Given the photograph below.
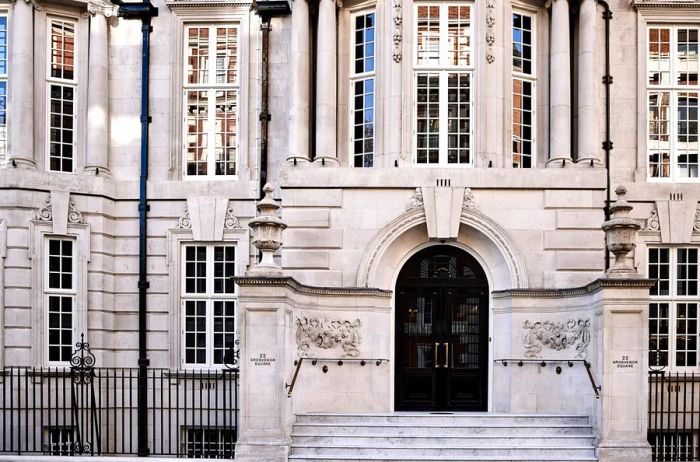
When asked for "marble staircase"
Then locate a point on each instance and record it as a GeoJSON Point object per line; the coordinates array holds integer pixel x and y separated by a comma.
{"type": "Point", "coordinates": [472, 437]}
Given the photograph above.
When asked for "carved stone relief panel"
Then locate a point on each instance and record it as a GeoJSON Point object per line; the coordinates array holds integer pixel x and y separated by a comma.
{"type": "Point", "coordinates": [572, 334]}
{"type": "Point", "coordinates": [316, 336]}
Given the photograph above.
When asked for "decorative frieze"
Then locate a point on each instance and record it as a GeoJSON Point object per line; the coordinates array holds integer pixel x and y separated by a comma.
{"type": "Point", "coordinates": [557, 336]}
{"type": "Point", "coordinates": [74, 215]}
{"type": "Point", "coordinates": [652, 223]}
{"type": "Point", "coordinates": [398, 34]}
{"type": "Point", "coordinates": [230, 221]}
{"type": "Point", "coordinates": [184, 221]}
{"type": "Point", "coordinates": [323, 334]}
{"type": "Point", "coordinates": [45, 213]}
{"type": "Point", "coordinates": [469, 202]}
{"type": "Point", "coordinates": [416, 201]}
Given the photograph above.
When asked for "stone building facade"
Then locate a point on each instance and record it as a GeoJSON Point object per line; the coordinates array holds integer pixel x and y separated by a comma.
{"type": "Point", "coordinates": [408, 143]}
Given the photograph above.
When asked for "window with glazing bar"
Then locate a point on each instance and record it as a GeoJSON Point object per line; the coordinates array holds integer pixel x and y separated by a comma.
{"type": "Point", "coordinates": [3, 88]}
{"type": "Point", "coordinates": [443, 70]}
{"type": "Point", "coordinates": [673, 311]}
{"type": "Point", "coordinates": [211, 100]}
{"type": "Point", "coordinates": [208, 304]}
{"type": "Point", "coordinates": [672, 99]}
{"type": "Point", "coordinates": [60, 292]}
{"type": "Point", "coordinates": [523, 91]}
{"type": "Point", "coordinates": [363, 93]}
{"type": "Point", "coordinates": [62, 95]}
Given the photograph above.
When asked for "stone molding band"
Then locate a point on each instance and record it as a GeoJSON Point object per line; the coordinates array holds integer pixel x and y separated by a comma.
{"type": "Point", "coordinates": [590, 288]}
{"type": "Point", "coordinates": [300, 288]}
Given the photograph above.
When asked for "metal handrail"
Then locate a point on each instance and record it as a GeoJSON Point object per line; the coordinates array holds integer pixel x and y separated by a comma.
{"type": "Point", "coordinates": [339, 361]}
{"type": "Point", "coordinates": [570, 362]}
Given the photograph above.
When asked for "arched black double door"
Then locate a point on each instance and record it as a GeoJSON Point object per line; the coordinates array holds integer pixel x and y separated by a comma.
{"type": "Point", "coordinates": [441, 332]}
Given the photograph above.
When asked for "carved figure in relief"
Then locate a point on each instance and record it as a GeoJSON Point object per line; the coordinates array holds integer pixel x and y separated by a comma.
{"type": "Point", "coordinates": [416, 201]}
{"type": "Point", "coordinates": [325, 335]}
{"type": "Point", "coordinates": [557, 336]}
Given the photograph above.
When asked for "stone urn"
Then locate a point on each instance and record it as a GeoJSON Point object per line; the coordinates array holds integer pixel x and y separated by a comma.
{"type": "Point", "coordinates": [621, 233]}
{"type": "Point", "coordinates": [267, 230]}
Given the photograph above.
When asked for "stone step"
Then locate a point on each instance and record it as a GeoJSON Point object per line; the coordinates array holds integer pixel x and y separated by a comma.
{"type": "Point", "coordinates": [410, 429]}
{"type": "Point", "coordinates": [469, 437]}
{"type": "Point", "coordinates": [428, 451]}
{"type": "Point", "coordinates": [355, 458]}
{"type": "Point", "coordinates": [411, 441]}
{"type": "Point", "coordinates": [476, 419]}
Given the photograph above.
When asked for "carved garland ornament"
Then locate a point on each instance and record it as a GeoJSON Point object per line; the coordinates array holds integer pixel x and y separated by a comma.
{"type": "Point", "coordinates": [557, 336]}
{"type": "Point", "coordinates": [327, 335]}
{"type": "Point", "coordinates": [490, 35]}
{"type": "Point", "coordinates": [398, 35]}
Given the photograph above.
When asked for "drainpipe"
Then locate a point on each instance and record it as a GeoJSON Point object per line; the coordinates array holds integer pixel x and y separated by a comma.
{"type": "Point", "coordinates": [266, 9]}
{"type": "Point", "coordinates": [607, 144]}
{"type": "Point", "coordinates": [264, 104]}
{"type": "Point", "coordinates": [143, 11]}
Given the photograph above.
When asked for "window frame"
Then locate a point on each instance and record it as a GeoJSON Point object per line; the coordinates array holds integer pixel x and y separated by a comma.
{"type": "Point", "coordinates": [48, 292]}
{"type": "Point", "coordinates": [674, 90]}
{"type": "Point", "coordinates": [209, 297]}
{"type": "Point", "coordinates": [532, 78]}
{"type": "Point", "coordinates": [443, 69]}
{"type": "Point", "coordinates": [72, 83]}
{"type": "Point", "coordinates": [364, 76]}
{"type": "Point", "coordinates": [237, 87]}
{"type": "Point", "coordinates": [673, 299]}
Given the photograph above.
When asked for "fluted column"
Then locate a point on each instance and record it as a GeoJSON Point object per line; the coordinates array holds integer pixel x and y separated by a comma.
{"type": "Point", "coordinates": [98, 84]}
{"type": "Point", "coordinates": [588, 131]}
{"type": "Point", "coordinates": [299, 83]}
{"type": "Point", "coordinates": [326, 103]}
{"type": "Point", "coordinates": [560, 86]}
{"type": "Point", "coordinates": [21, 85]}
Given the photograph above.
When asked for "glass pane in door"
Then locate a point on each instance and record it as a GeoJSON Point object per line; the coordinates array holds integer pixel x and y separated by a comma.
{"type": "Point", "coordinates": [419, 347]}
{"type": "Point", "coordinates": [464, 333]}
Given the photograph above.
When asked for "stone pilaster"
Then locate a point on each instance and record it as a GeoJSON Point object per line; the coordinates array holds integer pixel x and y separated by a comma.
{"type": "Point", "coordinates": [21, 86]}
{"type": "Point", "coordinates": [560, 86]}
{"type": "Point", "coordinates": [326, 78]}
{"type": "Point", "coordinates": [588, 140]}
{"type": "Point", "coordinates": [97, 159]}
{"type": "Point", "coordinates": [299, 83]}
{"type": "Point", "coordinates": [623, 362]}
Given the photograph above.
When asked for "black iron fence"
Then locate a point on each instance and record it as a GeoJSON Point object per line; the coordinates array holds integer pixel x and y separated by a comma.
{"type": "Point", "coordinates": [674, 416]}
{"type": "Point", "coordinates": [85, 410]}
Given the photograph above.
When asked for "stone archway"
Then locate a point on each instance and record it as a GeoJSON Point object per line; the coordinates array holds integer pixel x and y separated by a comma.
{"type": "Point", "coordinates": [496, 250]}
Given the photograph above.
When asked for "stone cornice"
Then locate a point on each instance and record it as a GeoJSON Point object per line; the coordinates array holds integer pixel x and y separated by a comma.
{"type": "Point", "coordinates": [595, 286]}
{"type": "Point", "coordinates": [175, 4]}
{"type": "Point", "coordinates": [252, 281]}
{"type": "Point", "coordinates": [653, 4]}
